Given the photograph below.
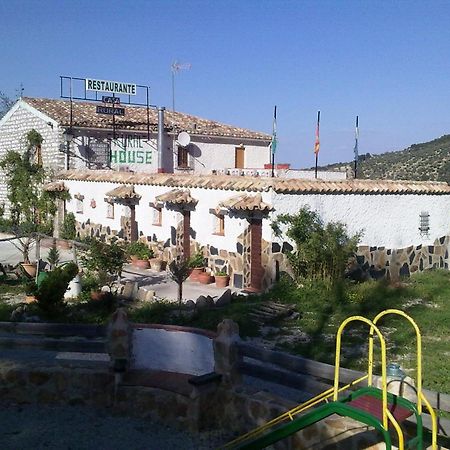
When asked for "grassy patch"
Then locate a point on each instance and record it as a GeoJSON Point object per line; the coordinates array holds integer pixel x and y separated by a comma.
{"type": "Point", "coordinates": [424, 297]}
{"type": "Point", "coordinates": [167, 313]}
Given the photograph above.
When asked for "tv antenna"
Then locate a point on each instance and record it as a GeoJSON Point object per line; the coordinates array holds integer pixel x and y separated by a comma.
{"type": "Point", "coordinates": [175, 68]}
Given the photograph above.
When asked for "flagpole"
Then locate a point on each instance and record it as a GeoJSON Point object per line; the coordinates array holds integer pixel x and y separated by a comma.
{"type": "Point", "coordinates": [356, 145]}
{"type": "Point", "coordinates": [274, 139]}
{"type": "Point", "coordinates": [317, 144]}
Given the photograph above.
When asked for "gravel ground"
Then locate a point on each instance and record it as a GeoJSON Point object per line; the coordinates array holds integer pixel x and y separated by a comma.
{"type": "Point", "coordinates": [79, 428]}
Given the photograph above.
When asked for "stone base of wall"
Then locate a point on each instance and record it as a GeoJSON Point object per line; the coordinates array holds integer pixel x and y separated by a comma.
{"type": "Point", "coordinates": [393, 264]}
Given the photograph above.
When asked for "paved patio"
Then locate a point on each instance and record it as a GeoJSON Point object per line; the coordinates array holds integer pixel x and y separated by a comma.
{"type": "Point", "coordinates": [159, 282]}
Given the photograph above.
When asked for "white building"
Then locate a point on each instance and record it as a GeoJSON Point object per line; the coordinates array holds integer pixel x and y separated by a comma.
{"type": "Point", "coordinates": [405, 224]}
{"type": "Point", "coordinates": [212, 193]}
{"type": "Point", "coordinates": [130, 142]}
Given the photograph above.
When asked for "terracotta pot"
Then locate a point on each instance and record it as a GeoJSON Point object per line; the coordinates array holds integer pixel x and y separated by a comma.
{"type": "Point", "coordinates": [141, 263]}
{"type": "Point", "coordinates": [205, 278]}
{"type": "Point", "coordinates": [196, 271]}
{"type": "Point", "coordinates": [222, 280]}
{"type": "Point", "coordinates": [29, 268]}
{"type": "Point", "coordinates": [97, 296]}
{"type": "Point", "coordinates": [156, 264]}
{"type": "Point", "coordinates": [133, 259]}
{"type": "Point", "coordinates": [30, 298]}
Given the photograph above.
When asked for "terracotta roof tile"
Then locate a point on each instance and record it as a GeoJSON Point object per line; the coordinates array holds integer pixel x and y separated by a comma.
{"type": "Point", "coordinates": [178, 197]}
{"type": "Point", "coordinates": [245, 202]}
{"type": "Point", "coordinates": [55, 186]}
{"type": "Point", "coordinates": [260, 184]}
{"type": "Point", "coordinates": [135, 119]}
{"type": "Point", "coordinates": [123, 192]}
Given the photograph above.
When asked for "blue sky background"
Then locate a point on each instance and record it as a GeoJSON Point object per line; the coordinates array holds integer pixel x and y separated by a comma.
{"type": "Point", "coordinates": [386, 61]}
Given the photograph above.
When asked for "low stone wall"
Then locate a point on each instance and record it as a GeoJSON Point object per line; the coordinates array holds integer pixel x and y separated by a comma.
{"type": "Point", "coordinates": [56, 385]}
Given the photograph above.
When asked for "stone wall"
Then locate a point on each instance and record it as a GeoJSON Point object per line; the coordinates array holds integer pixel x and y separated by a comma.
{"type": "Point", "coordinates": [382, 262]}
{"type": "Point", "coordinates": [13, 131]}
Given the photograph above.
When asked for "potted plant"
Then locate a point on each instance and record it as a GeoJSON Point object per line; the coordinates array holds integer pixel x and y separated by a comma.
{"type": "Point", "coordinates": [197, 265]}
{"type": "Point", "coordinates": [222, 279]}
{"type": "Point", "coordinates": [140, 253]}
{"type": "Point", "coordinates": [103, 264]}
{"type": "Point", "coordinates": [205, 277]}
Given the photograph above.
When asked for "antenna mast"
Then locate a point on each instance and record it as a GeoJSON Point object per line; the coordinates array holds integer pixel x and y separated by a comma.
{"type": "Point", "coordinates": [175, 68]}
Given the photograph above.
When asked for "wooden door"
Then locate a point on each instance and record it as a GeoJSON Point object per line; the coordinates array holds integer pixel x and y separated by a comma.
{"type": "Point", "coordinates": [239, 158]}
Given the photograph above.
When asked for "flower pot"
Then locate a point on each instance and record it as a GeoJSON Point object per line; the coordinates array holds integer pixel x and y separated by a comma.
{"type": "Point", "coordinates": [141, 263]}
{"type": "Point", "coordinates": [222, 280]}
{"type": "Point", "coordinates": [29, 268]}
{"type": "Point", "coordinates": [156, 264]}
{"type": "Point", "coordinates": [205, 278]}
{"type": "Point", "coordinates": [97, 296]}
{"type": "Point", "coordinates": [196, 271]}
{"type": "Point", "coordinates": [30, 298]}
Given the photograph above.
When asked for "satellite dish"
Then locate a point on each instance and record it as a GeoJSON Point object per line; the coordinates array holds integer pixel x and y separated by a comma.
{"type": "Point", "coordinates": [183, 139]}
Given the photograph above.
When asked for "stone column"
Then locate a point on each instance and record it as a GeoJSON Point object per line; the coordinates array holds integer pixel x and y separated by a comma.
{"type": "Point", "coordinates": [119, 340]}
{"type": "Point", "coordinates": [133, 224]}
{"type": "Point", "coordinates": [256, 270]}
{"type": "Point", "coordinates": [226, 352]}
{"type": "Point", "coordinates": [186, 234]}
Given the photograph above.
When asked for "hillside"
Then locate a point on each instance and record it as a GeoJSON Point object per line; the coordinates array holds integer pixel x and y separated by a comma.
{"type": "Point", "coordinates": [425, 161]}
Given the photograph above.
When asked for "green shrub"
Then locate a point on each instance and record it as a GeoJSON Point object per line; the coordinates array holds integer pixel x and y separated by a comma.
{"type": "Point", "coordinates": [104, 261]}
{"type": "Point", "coordinates": [68, 227]}
{"type": "Point", "coordinates": [197, 260]}
{"type": "Point", "coordinates": [322, 251]}
{"type": "Point", "coordinates": [140, 250]}
{"type": "Point", "coordinates": [50, 294]}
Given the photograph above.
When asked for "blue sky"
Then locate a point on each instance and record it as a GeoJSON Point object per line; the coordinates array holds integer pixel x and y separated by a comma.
{"type": "Point", "coordinates": [386, 61]}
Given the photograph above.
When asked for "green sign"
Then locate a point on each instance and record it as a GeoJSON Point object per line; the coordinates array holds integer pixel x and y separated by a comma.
{"type": "Point", "coordinates": [131, 157]}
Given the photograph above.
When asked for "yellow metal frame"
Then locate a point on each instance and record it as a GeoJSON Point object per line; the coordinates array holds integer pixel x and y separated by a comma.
{"type": "Point", "coordinates": [387, 416]}
{"type": "Point", "coordinates": [335, 390]}
{"type": "Point", "coordinates": [420, 396]}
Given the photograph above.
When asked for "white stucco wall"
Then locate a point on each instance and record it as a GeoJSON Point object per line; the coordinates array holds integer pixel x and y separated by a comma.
{"type": "Point", "coordinates": [202, 221]}
{"type": "Point", "coordinates": [208, 156]}
{"type": "Point", "coordinates": [387, 220]}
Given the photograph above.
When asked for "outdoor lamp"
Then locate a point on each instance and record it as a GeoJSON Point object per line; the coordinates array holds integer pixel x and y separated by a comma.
{"type": "Point", "coordinates": [395, 372]}
{"type": "Point", "coordinates": [68, 137]}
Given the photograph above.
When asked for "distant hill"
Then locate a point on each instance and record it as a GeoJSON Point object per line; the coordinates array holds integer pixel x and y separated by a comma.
{"type": "Point", "coordinates": [425, 161]}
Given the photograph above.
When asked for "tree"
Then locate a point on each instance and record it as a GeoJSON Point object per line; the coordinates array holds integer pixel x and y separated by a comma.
{"type": "Point", "coordinates": [321, 250]}
{"type": "Point", "coordinates": [31, 208]}
{"type": "Point", "coordinates": [105, 261]}
{"type": "Point", "coordinates": [179, 270]}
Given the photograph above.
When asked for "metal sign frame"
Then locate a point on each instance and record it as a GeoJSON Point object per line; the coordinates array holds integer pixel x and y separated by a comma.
{"type": "Point", "coordinates": [95, 98]}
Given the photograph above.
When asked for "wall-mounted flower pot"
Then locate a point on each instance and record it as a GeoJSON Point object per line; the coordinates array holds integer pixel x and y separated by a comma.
{"type": "Point", "coordinates": [222, 280]}
{"type": "Point", "coordinates": [196, 271]}
{"type": "Point", "coordinates": [141, 263]}
{"type": "Point", "coordinates": [205, 278]}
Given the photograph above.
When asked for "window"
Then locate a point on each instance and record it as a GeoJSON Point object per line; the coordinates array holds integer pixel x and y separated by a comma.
{"type": "Point", "coordinates": [110, 210]}
{"type": "Point", "coordinates": [424, 226]}
{"type": "Point", "coordinates": [79, 206]}
{"type": "Point", "coordinates": [183, 158]}
{"type": "Point", "coordinates": [219, 224]}
{"type": "Point", "coordinates": [157, 216]}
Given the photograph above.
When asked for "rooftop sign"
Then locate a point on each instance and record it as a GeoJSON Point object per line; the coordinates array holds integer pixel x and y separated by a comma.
{"type": "Point", "coordinates": [115, 87]}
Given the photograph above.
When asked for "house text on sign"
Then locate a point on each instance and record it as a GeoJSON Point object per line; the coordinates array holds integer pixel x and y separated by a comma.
{"type": "Point", "coordinates": [115, 87]}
